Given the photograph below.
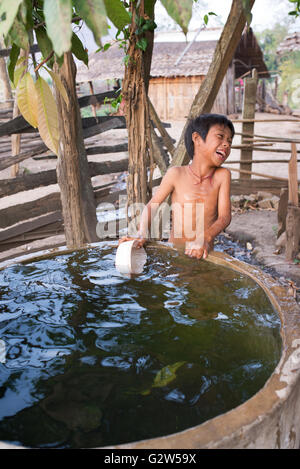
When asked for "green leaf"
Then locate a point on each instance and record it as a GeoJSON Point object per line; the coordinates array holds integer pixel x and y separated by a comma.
{"type": "Point", "coordinates": [8, 12]}
{"type": "Point", "coordinates": [13, 57]}
{"type": "Point", "coordinates": [166, 375]}
{"type": "Point", "coordinates": [93, 14]}
{"type": "Point", "coordinates": [18, 34]}
{"type": "Point", "coordinates": [78, 49]}
{"type": "Point", "coordinates": [247, 11]}
{"type": "Point", "coordinates": [180, 11]}
{"type": "Point", "coordinates": [58, 15]}
{"type": "Point", "coordinates": [117, 13]}
{"type": "Point", "coordinates": [142, 44]}
{"type": "Point", "coordinates": [44, 43]}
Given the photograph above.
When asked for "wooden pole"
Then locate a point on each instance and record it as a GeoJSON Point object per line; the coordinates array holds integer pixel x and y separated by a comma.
{"type": "Point", "coordinates": [293, 210]}
{"type": "Point", "coordinates": [248, 113]}
{"type": "Point", "coordinates": [293, 177]}
{"type": "Point", "coordinates": [210, 86]}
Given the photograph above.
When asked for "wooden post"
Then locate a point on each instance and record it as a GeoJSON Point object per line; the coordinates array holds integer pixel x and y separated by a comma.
{"type": "Point", "coordinates": [248, 113]}
{"type": "Point", "coordinates": [293, 177]}
{"type": "Point", "coordinates": [293, 211]}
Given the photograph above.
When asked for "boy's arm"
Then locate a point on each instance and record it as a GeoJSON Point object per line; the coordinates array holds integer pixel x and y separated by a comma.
{"type": "Point", "coordinates": [165, 188]}
{"type": "Point", "coordinates": [224, 209]}
{"type": "Point", "coordinates": [223, 220]}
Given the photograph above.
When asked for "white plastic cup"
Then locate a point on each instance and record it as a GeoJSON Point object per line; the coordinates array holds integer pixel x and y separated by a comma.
{"type": "Point", "coordinates": [129, 258]}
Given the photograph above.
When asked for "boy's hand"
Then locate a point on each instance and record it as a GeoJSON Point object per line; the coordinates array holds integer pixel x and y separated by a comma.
{"type": "Point", "coordinates": [194, 249]}
{"type": "Point", "coordinates": [139, 241]}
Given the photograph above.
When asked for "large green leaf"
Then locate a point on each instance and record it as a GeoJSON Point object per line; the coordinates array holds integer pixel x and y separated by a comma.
{"type": "Point", "coordinates": [11, 64]}
{"type": "Point", "coordinates": [58, 15]}
{"type": "Point", "coordinates": [78, 50]}
{"type": "Point", "coordinates": [117, 13]}
{"type": "Point", "coordinates": [44, 42]}
{"type": "Point", "coordinates": [94, 15]}
{"type": "Point", "coordinates": [180, 11]}
{"type": "Point", "coordinates": [8, 12]}
{"type": "Point", "coordinates": [18, 34]}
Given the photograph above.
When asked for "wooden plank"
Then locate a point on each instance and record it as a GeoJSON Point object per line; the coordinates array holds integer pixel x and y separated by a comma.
{"type": "Point", "coordinates": [251, 186]}
{"type": "Point", "coordinates": [293, 177]}
{"type": "Point", "coordinates": [50, 203]}
{"type": "Point", "coordinates": [268, 176]}
{"type": "Point", "coordinates": [20, 125]}
{"type": "Point", "coordinates": [27, 226]}
{"type": "Point", "coordinates": [292, 232]}
{"type": "Point", "coordinates": [45, 178]}
{"type": "Point", "coordinates": [249, 104]}
{"type": "Point", "coordinates": [260, 161]}
{"type": "Point", "coordinates": [263, 120]}
{"type": "Point", "coordinates": [107, 124]}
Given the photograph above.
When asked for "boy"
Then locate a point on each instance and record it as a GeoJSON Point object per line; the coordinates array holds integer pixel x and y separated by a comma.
{"type": "Point", "coordinates": [202, 183]}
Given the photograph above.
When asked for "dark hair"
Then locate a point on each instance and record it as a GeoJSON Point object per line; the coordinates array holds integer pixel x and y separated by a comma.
{"type": "Point", "coordinates": [201, 125]}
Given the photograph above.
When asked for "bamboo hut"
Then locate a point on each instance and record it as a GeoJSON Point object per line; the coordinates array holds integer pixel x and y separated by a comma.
{"type": "Point", "coordinates": [177, 73]}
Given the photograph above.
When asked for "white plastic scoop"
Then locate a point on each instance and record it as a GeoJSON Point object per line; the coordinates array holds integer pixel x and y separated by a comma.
{"type": "Point", "coordinates": [129, 258]}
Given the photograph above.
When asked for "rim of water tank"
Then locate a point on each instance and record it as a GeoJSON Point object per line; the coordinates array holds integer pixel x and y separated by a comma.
{"type": "Point", "coordinates": [228, 430]}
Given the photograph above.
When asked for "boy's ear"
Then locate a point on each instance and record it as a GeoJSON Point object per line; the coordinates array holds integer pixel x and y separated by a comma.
{"type": "Point", "coordinates": [196, 137]}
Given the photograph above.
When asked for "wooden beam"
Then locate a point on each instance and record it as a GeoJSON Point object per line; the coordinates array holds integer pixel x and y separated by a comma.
{"type": "Point", "coordinates": [249, 104]}
{"type": "Point", "coordinates": [251, 186]}
{"type": "Point", "coordinates": [292, 232]}
{"type": "Point", "coordinates": [45, 178]}
{"type": "Point", "coordinates": [210, 86]}
{"type": "Point", "coordinates": [245, 172]}
{"type": "Point", "coordinates": [293, 177]}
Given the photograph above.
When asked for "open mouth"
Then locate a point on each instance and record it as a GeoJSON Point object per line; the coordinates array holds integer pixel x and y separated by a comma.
{"type": "Point", "coordinates": [221, 154]}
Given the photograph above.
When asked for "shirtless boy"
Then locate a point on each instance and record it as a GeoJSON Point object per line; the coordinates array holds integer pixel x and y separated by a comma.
{"type": "Point", "coordinates": [203, 183]}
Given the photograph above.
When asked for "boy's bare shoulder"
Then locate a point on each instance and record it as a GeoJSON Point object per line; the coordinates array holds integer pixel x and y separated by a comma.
{"type": "Point", "coordinates": [223, 173]}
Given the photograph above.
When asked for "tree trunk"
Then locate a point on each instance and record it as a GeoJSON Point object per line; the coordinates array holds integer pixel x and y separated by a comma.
{"type": "Point", "coordinates": [78, 203]}
{"type": "Point", "coordinates": [210, 86]}
{"type": "Point", "coordinates": [134, 91]}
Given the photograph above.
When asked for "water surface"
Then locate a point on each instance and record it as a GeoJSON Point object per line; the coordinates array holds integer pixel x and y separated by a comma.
{"type": "Point", "coordinates": [95, 358]}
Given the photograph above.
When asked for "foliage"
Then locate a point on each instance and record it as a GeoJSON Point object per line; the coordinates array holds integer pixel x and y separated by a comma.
{"type": "Point", "coordinates": [269, 40]}
{"type": "Point", "coordinates": [289, 73]}
{"type": "Point", "coordinates": [286, 65]}
{"type": "Point", "coordinates": [50, 22]}
{"type": "Point", "coordinates": [296, 5]}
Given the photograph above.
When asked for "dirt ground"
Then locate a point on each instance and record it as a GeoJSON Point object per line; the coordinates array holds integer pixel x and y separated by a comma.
{"type": "Point", "coordinates": [255, 226]}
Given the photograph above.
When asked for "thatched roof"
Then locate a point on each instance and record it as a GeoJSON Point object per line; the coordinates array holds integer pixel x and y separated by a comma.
{"type": "Point", "coordinates": [110, 65]}
{"type": "Point", "coordinates": [195, 61]}
{"type": "Point", "coordinates": [290, 44]}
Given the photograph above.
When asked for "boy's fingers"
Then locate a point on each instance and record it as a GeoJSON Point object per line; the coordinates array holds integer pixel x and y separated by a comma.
{"type": "Point", "coordinates": [197, 253]}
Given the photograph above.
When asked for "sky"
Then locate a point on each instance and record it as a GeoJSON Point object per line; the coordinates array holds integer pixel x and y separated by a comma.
{"type": "Point", "coordinates": [266, 13]}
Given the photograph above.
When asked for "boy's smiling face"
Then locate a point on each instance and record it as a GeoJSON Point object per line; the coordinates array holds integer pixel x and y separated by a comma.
{"type": "Point", "coordinates": [217, 145]}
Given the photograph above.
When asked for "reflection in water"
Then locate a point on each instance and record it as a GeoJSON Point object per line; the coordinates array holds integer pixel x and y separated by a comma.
{"type": "Point", "coordinates": [94, 358]}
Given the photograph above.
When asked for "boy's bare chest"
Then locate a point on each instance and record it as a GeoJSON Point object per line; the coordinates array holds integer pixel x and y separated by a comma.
{"type": "Point", "coordinates": [188, 192]}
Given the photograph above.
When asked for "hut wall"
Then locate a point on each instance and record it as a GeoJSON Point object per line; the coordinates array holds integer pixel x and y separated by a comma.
{"type": "Point", "coordinates": [172, 97]}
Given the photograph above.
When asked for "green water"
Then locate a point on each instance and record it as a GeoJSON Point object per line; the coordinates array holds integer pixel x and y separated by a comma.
{"type": "Point", "coordinates": [94, 358]}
